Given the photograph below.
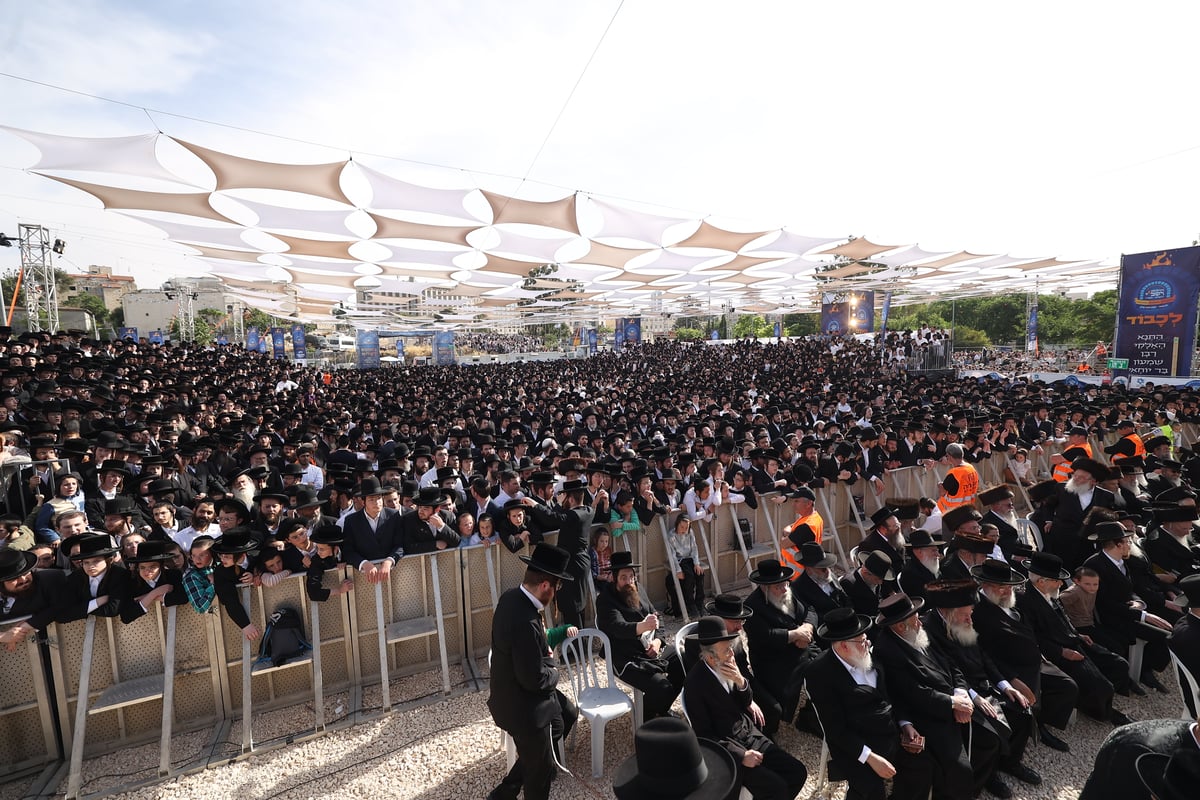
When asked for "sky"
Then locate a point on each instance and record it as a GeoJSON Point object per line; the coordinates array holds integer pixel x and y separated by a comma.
{"type": "Point", "coordinates": [1030, 129]}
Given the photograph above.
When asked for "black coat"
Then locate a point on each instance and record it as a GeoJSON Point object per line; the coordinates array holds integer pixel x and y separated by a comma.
{"type": "Point", "coordinates": [1010, 537]}
{"type": "Point", "coordinates": [722, 716]}
{"type": "Point", "coordinates": [44, 602]}
{"type": "Point", "coordinates": [619, 622]}
{"type": "Point", "coordinates": [115, 585]}
{"type": "Point", "coordinates": [875, 541]}
{"type": "Point", "coordinates": [1185, 644]}
{"type": "Point", "coordinates": [1114, 776]}
{"type": "Point", "coordinates": [813, 596]}
{"type": "Point", "coordinates": [922, 684]}
{"type": "Point", "coordinates": [1112, 601]}
{"type": "Point", "coordinates": [1168, 553]}
{"type": "Point", "coordinates": [863, 597]}
{"type": "Point", "coordinates": [523, 675]}
{"type": "Point", "coordinates": [773, 658]}
{"type": "Point", "coordinates": [1011, 642]}
{"type": "Point", "coordinates": [177, 596]}
{"type": "Point", "coordinates": [360, 543]}
{"type": "Point", "coordinates": [417, 537]}
{"type": "Point", "coordinates": [852, 715]}
{"type": "Point", "coordinates": [913, 578]}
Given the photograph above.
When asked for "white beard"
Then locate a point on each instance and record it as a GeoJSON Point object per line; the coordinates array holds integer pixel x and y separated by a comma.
{"type": "Point", "coordinates": [862, 661]}
{"type": "Point", "coordinates": [786, 604]}
{"type": "Point", "coordinates": [1007, 603]}
{"type": "Point", "coordinates": [933, 565]}
{"type": "Point", "coordinates": [1010, 518]}
{"type": "Point", "coordinates": [245, 496]}
{"type": "Point", "coordinates": [1052, 596]}
{"type": "Point", "coordinates": [963, 634]}
{"type": "Point", "coordinates": [1076, 488]}
{"type": "Point", "coordinates": [918, 639]}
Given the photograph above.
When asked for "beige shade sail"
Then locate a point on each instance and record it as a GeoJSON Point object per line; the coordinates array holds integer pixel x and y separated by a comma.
{"type": "Point", "coordinates": [194, 204]}
{"type": "Point", "coordinates": [859, 249]}
{"type": "Point", "coordinates": [558, 214]}
{"type": "Point", "coordinates": [719, 239]}
{"type": "Point", "coordinates": [235, 172]}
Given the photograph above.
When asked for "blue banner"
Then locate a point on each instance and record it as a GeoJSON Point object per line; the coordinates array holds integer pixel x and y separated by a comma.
{"type": "Point", "coordinates": [400, 349]}
{"type": "Point", "coordinates": [848, 314]}
{"type": "Point", "coordinates": [367, 343]}
{"type": "Point", "coordinates": [127, 333]}
{"type": "Point", "coordinates": [155, 337]}
{"type": "Point", "coordinates": [778, 330]}
{"type": "Point", "coordinates": [278, 342]}
{"type": "Point", "coordinates": [633, 330]}
{"type": "Point", "coordinates": [1031, 332]}
{"type": "Point", "coordinates": [262, 344]}
{"type": "Point", "coordinates": [252, 338]}
{"type": "Point", "coordinates": [1156, 311]}
{"type": "Point", "coordinates": [593, 341]}
{"type": "Point", "coordinates": [618, 333]}
{"type": "Point", "coordinates": [443, 347]}
{"type": "Point", "coordinates": [887, 310]}
{"type": "Point", "coordinates": [222, 340]}
{"type": "Point", "coordinates": [299, 346]}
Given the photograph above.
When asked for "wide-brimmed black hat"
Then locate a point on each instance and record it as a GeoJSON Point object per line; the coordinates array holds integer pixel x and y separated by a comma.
{"type": "Point", "coordinates": [1109, 532]}
{"type": "Point", "coordinates": [118, 506]}
{"type": "Point", "coordinates": [151, 550]}
{"type": "Point", "coordinates": [994, 570]}
{"type": "Point", "coordinates": [670, 763]}
{"type": "Point", "coordinates": [1170, 777]}
{"type": "Point", "coordinates": [543, 477]}
{"type": "Point", "coordinates": [1046, 565]}
{"type": "Point", "coordinates": [370, 487]}
{"type": "Point", "coordinates": [710, 630]}
{"type": "Point", "coordinates": [92, 545]}
{"type": "Point", "coordinates": [881, 516]}
{"type": "Point", "coordinates": [878, 563]}
{"type": "Point", "coordinates": [951, 594]}
{"type": "Point", "coordinates": [429, 496]}
{"type": "Point", "coordinates": [574, 485]}
{"type": "Point", "coordinates": [801, 535]}
{"type": "Point", "coordinates": [552, 560]}
{"type": "Point", "coordinates": [235, 542]}
{"type": "Point", "coordinates": [15, 563]}
{"type": "Point", "coordinates": [114, 465]}
{"type": "Point", "coordinates": [959, 516]}
{"type": "Point", "coordinates": [278, 497]}
{"type": "Point", "coordinates": [923, 538]}
{"type": "Point", "coordinates": [621, 559]}
{"type": "Point", "coordinates": [1174, 513]}
{"type": "Point", "coordinates": [769, 572]}
{"type": "Point", "coordinates": [994, 495]}
{"type": "Point", "coordinates": [897, 607]}
{"type": "Point", "coordinates": [1190, 586]}
{"type": "Point", "coordinates": [972, 543]}
{"type": "Point", "coordinates": [812, 555]}
{"type": "Point", "coordinates": [306, 497]}
{"type": "Point", "coordinates": [729, 606]}
{"type": "Point", "coordinates": [326, 534]}
{"type": "Point", "coordinates": [842, 624]}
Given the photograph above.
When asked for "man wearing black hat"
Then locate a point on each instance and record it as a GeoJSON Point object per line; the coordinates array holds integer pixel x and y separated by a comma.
{"type": "Point", "coordinates": [1174, 550]}
{"type": "Point", "coordinates": [816, 586]}
{"type": "Point", "coordinates": [1115, 775]}
{"type": "Point", "coordinates": [641, 655]}
{"type": "Point", "coordinates": [372, 534]}
{"type": "Point", "coordinates": [1098, 671]}
{"type": "Point", "coordinates": [25, 591]}
{"type": "Point", "coordinates": [885, 536]}
{"type": "Point", "coordinates": [1012, 643]}
{"type": "Point", "coordinates": [573, 519]}
{"type": "Point", "coordinates": [873, 578]}
{"type": "Point", "coordinates": [1001, 710]}
{"type": "Point", "coordinates": [781, 634]}
{"type": "Point", "coordinates": [671, 763]}
{"type": "Point", "coordinates": [1185, 638]}
{"type": "Point", "coordinates": [1001, 513]}
{"type": "Point", "coordinates": [524, 700]}
{"type": "Point", "coordinates": [425, 531]}
{"type": "Point", "coordinates": [923, 563]}
{"type": "Point", "coordinates": [719, 702]}
{"type": "Point", "coordinates": [930, 692]}
{"type": "Point", "coordinates": [98, 585]}
{"type": "Point", "coordinates": [1080, 494]}
{"type": "Point", "coordinates": [850, 693]}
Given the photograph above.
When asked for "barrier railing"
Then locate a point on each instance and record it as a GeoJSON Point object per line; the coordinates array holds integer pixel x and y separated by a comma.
{"type": "Point", "coordinates": [27, 736]}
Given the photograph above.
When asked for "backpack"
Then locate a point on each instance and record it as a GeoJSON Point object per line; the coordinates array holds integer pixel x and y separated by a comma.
{"type": "Point", "coordinates": [284, 637]}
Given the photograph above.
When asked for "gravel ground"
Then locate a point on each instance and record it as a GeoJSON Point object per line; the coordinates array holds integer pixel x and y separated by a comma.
{"type": "Point", "coordinates": [449, 749]}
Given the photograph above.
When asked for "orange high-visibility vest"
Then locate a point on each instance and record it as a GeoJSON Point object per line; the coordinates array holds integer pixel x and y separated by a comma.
{"type": "Point", "coordinates": [968, 486]}
{"type": "Point", "coordinates": [1062, 470]}
{"type": "Point", "coordinates": [790, 555]}
{"type": "Point", "coordinates": [1139, 449]}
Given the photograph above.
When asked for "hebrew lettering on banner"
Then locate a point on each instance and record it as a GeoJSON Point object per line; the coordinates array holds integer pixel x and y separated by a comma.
{"type": "Point", "coordinates": [1156, 312]}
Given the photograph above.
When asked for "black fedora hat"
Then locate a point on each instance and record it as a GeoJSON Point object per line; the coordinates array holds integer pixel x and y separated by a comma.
{"type": "Point", "coordinates": [1109, 532]}
{"type": "Point", "coordinates": [841, 624]}
{"type": "Point", "coordinates": [551, 560]}
{"type": "Point", "coordinates": [93, 545]}
{"type": "Point", "coordinates": [923, 538]}
{"type": "Point", "coordinates": [710, 630]}
{"type": "Point", "coordinates": [1046, 565]}
{"type": "Point", "coordinates": [114, 465]}
{"type": "Point", "coordinates": [118, 506]}
{"type": "Point", "coordinates": [812, 555]}
{"type": "Point", "coordinates": [428, 496]}
{"type": "Point", "coordinates": [622, 559]}
{"type": "Point", "coordinates": [306, 497]}
{"type": "Point", "coordinates": [878, 563]}
{"type": "Point", "coordinates": [730, 606]}
{"type": "Point", "coordinates": [235, 542]}
{"type": "Point", "coordinates": [15, 563]}
{"type": "Point", "coordinates": [951, 594]}
{"type": "Point", "coordinates": [882, 515]}
{"type": "Point", "coordinates": [1190, 586]}
{"type": "Point", "coordinates": [574, 485]}
{"type": "Point", "coordinates": [278, 497]}
{"type": "Point", "coordinates": [897, 607]}
{"type": "Point", "coordinates": [1174, 513]}
{"type": "Point", "coordinates": [370, 487]}
{"type": "Point", "coordinates": [670, 763]}
{"type": "Point", "coordinates": [1170, 777]}
{"type": "Point", "coordinates": [994, 570]}
{"type": "Point", "coordinates": [769, 572]}
{"type": "Point", "coordinates": [543, 477]}
{"type": "Point", "coordinates": [326, 534]}
{"type": "Point", "coordinates": [151, 550]}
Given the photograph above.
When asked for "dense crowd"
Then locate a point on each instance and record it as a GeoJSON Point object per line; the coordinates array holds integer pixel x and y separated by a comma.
{"type": "Point", "coordinates": [137, 474]}
{"type": "Point", "coordinates": [497, 343]}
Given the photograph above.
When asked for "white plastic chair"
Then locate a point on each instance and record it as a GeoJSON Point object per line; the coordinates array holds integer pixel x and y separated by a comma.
{"type": "Point", "coordinates": [680, 636]}
{"type": "Point", "coordinates": [1187, 685]}
{"type": "Point", "coordinates": [599, 701]}
{"type": "Point", "coordinates": [822, 787]}
{"type": "Point", "coordinates": [1029, 530]}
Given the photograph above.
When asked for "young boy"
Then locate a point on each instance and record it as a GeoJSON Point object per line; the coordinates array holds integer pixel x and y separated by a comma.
{"type": "Point", "coordinates": [327, 539]}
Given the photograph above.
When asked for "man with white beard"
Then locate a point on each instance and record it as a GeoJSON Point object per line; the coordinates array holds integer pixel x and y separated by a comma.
{"type": "Point", "coordinates": [782, 636]}
{"type": "Point", "coordinates": [1010, 639]}
{"type": "Point", "coordinates": [816, 585]}
{"type": "Point", "coordinates": [929, 692]}
{"type": "Point", "coordinates": [1078, 496]}
{"type": "Point", "coordinates": [1001, 707]}
{"type": "Point", "coordinates": [924, 563]}
{"type": "Point", "coordinates": [1002, 514]}
{"type": "Point", "coordinates": [1174, 550]}
{"type": "Point", "coordinates": [1099, 672]}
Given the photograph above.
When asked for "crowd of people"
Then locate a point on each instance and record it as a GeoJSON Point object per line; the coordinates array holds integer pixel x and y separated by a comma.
{"type": "Point", "coordinates": [497, 343]}
{"type": "Point", "coordinates": [137, 474]}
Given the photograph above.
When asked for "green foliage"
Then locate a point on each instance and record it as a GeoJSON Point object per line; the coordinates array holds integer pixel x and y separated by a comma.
{"type": "Point", "coordinates": [801, 324]}
{"type": "Point", "coordinates": [752, 325]}
{"type": "Point", "coordinates": [967, 338]}
{"type": "Point", "coordinates": [689, 334]}
{"type": "Point", "coordinates": [94, 306]}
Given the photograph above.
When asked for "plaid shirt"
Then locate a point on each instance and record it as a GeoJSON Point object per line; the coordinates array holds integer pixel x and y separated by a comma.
{"type": "Point", "coordinates": [198, 585]}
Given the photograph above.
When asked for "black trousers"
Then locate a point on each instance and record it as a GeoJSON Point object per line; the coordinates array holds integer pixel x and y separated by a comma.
{"type": "Point", "coordinates": [1057, 696]}
{"type": "Point", "coordinates": [660, 680]}
{"type": "Point", "coordinates": [693, 591]}
{"type": "Point", "coordinates": [953, 776]}
{"type": "Point", "coordinates": [535, 768]}
{"type": "Point", "coordinates": [914, 776]}
{"type": "Point", "coordinates": [1096, 689]}
{"type": "Point", "coordinates": [780, 776]}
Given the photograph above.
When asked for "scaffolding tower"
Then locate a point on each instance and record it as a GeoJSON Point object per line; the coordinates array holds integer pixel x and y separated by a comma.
{"type": "Point", "coordinates": [41, 289]}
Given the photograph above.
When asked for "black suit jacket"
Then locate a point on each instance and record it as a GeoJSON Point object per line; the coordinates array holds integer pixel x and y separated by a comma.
{"type": "Point", "coordinates": [115, 585]}
{"type": "Point", "coordinates": [807, 590]}
{"type": "Point", "coordinates": [771, 655]}
{"type": "Point", "coordinates": [913, 578]}
{"type": "Point", "coordinates": [177, 596]}
{"type": "Point", "coordinates": [1063, 537]}
{"type": "Point", "coordinates": [852, 715]}
{"type": "Point", "coordinates": [1114, 776]}
{"type": "Point", "coordinates": [977, 668]}
{"type": "Point", "coordinates": [1112, 601]}
{"type": "Point", "coordinates": [417, 537]}
{"type": "Point", "coordinates": [523, 677]}
{"type": "Point", "coordinates": [360, 543]}
{"type": "Point", "coordinates": [1166, 552]}
{"type": "Point", "coordinates": [921, 684]}
{"type": "Point", "coordinates": [619, 622]}
{"type": "Point", "coordinates": [874, 541]}
{"type": "Point", "coordinates": [1010, 537]}
{"type": "Point", "coordinates": [1011, 642]}
{"type": "Point", "coordinates": [862, 596]}
{"type": "Point", "coordinates": [45, 602]}
{"type": "Point", "coordinates": [720, 715]}
{"type": "Point", "coordinates": [1051, 626]}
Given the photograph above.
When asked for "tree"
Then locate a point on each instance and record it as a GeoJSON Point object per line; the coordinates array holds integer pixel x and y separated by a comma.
{"type": "Point", "coordinates": [94, 306]}
{"type": "Point", "coordinates": [752, 325]}
{"type": "Point", "coordinates": [801, 324]}
{"type": "Point", "coordinates": [689, 334]}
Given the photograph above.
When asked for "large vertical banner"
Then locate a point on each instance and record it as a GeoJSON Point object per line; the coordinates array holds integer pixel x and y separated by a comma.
{"type": "Point", "coordinates": [367, 346]}
{"type": "Point", "coordinates": [155, 337]}
{"type": "Point", "coordinates": [278, 342]}
{"type": "Point", "coordinates": [887, 309]}
{"type": "Point", "coordinates": [1031, 332]}
{"type": "Point", "coordinates": [618, 333]}
{"type": "Point", "coordinates": [299, 346]}
{"type": "Point", "coordinates": [443, 347]}
{"type": "Point", "coordinates": [1156, 311]}
{"type": "Point", "coordinates": [252, 338]}
{"type": "Point", "coordinates": [633, 330]}
{"type": "Point", "coordinates": [593, 341]}
{"type": "Point", "coordinates": [835, 316]}
{"type": "Point", "coordinates": [862, 312]}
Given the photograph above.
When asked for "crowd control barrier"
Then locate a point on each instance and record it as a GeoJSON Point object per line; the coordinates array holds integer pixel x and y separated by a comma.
{"type": "Point", "coordinates": [27, 735]}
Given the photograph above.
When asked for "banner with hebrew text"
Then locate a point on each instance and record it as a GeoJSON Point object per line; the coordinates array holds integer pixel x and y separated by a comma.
{"type": "Point", "coordinates": [1156, 311]}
